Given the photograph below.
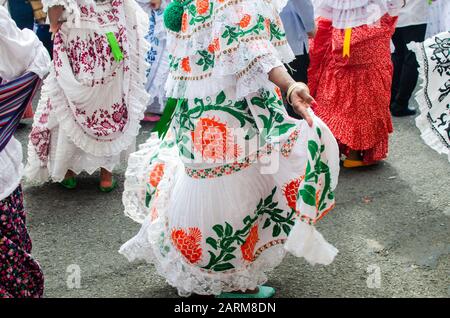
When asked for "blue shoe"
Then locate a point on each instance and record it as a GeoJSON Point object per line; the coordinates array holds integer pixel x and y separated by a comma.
{"type": "Point", "coordinates": [263, 292]}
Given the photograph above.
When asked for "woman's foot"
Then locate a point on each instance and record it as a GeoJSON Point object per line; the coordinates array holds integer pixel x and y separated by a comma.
{"type": "Point", "coordinates": [260, 292]}
{"type": "Point", "coordinates": [69, 181]}
{"type": "Point", "coordinates": [107, 182]}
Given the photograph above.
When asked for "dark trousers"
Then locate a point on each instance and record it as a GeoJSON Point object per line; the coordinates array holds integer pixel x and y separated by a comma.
{"type": "Point", "coordinates": [43, 33]}
{"type": "Point", "coordinates": [299, 74]}
{"type": "Point", "coordinates": [22, 13]}
{"type": "Point", "coordinates": [405, 64]}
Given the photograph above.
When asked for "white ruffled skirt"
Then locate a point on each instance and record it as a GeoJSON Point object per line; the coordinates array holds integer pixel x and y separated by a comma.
{"type": "Point", "coordinates": [211, 230]}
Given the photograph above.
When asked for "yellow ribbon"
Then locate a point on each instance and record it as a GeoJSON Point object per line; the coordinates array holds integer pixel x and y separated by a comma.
{"type": "Point", "coordinates": [347, 39]}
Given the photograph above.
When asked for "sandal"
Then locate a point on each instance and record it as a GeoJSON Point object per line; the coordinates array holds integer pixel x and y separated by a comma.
{"type": "Point", "coordinates": [69, 183]}
{"type": "Point", "coordinates": [110, 188]}
{"type": "Point", "coordinates": [348, 163]}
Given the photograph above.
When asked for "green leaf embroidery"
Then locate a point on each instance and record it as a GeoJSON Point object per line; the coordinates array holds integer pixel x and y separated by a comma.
{"type": "Point", "coordinates": [220, 98]}
{"type": "Point", "coordinates": [223, 267]}
{"type": "Point", "coordinates": [212, 242]}
{"type": "Point", "coordinates": [308, 194]}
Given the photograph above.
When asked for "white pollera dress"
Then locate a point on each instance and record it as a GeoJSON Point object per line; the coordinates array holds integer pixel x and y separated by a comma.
{"type": "Point", "coordinates": [236, 182]}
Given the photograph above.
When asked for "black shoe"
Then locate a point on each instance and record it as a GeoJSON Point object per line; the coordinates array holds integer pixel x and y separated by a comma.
{"type": "Point", "coordinates": [398, 111]}
{"type": "Point", "coordinates": [403, 112]}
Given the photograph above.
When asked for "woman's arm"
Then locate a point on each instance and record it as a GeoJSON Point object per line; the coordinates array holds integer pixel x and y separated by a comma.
{"type": "Point", "coordinates": [54, 15]}
{"type": "Point", "coordinates": [300, 98]}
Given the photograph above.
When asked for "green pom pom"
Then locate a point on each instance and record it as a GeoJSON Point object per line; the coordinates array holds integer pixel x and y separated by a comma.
{"type": "Point", "coordinates": [173, 16]}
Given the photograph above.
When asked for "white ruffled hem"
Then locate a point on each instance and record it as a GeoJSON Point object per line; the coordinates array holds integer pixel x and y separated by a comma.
{"type": "Point", "coordinates": [305, 241]}
{"type": "Point", "coordinates": [422, 122]}
{"type": "Point", "coordinates": [250, 81]}
{"type": "Point", "coordinates": [354, 13]}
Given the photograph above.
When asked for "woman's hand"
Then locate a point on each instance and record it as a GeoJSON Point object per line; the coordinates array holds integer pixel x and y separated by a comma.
{"type": "Point", "coordinates": [54, 15]}
{"type": "Point", "coordinates": [301, 100]}
{"type": "Point", "coordinates": [155, 4]}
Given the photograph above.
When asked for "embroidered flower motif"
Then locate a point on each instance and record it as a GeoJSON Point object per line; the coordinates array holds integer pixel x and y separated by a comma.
{"type": "Point", "coordinates": [188, 243]}
{"type": "Point", "coordinates": [184, 22]}
{"type": "Point", "coordinates": [202, 6]}
{"type": "Point", "coordinates": [248, 248]}
{"type": "Point", "coordinates": [214, 46]}
{"type": "Point", "coordinates": [186, 65]}
{"type": "Point", "coordinates": [156, 174]}
{"type": "Point", "coordinates": [290, 191]}
{"type": "Point", "coordinates": [245, 21]}
{"type": "Point", "coordinates": [278, 92]}
{"type": "Point", "coordinates": [213, 140]}
{"type": "Point", "coordinates": [267, 24]}
{"type": "Point", "coordinates": [40, 139]}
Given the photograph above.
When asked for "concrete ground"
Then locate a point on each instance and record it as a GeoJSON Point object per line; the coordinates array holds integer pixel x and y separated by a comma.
{"type": "Point", "coordinates": [391, 226]}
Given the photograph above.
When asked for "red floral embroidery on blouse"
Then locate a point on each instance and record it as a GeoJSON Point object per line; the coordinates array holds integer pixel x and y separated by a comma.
{"type": "Point", "coordinates": [186, 65]}
{"type": "Point", "coordinates": [245, 21]}
{"type": "Point", "coordinates": [213, 140]}
{"type": "Point", "coordinates": [202, 6]}
{"type": "Point", "coordinates": [214, 46]}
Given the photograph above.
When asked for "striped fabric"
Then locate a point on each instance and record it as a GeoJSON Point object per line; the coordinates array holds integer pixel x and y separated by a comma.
{"type": "Point", "coordinates": [14, 99]}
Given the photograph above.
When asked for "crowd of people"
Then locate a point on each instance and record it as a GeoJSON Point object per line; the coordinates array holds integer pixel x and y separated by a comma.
{"type": "Point", "coordinates": [256, 103]}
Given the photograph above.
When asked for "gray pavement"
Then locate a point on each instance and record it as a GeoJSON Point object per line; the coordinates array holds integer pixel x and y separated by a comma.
{"type": "Point", "coordinates": [391, 221]}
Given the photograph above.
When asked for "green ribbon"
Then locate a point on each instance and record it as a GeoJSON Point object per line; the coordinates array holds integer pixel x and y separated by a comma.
{"type": "Point", "coordinates": [166, 119]}
{"type": "Point", "coordinates": [115, 47]}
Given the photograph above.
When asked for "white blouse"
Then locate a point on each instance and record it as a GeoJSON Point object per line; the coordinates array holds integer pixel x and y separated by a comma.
{"type": "Point", "coordinates": [20, 51]}
{"type": "Point", "coordinates": [11, 168]}
{"type": "Point", "coordinates": [414, 13]}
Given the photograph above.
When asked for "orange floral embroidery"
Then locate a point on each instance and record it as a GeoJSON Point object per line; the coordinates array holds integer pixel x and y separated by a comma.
{"type": "Point", "coordinates": [245, 21]}
{"type": "Point", "coordinates": [186, 65]}
{"type": "Point", "coordinates": [290, 191]}
{"type": "Point", "coordinates": [188, 243]}
{"type": "Point", "coordinates": [214, 46]}
{"type": "Point", "coordinates": [202, 6]}
{"type": "Point", "coordinates": [267, 23]}
{"type": "Point", "coordinates": [184, 22]}
{"type": "Point", "coordinates": [248, 248]}
{"type": "Point", "coordinates": [213, 140]}
{"type": "Point", "coordinates": [156, 174]}
{"type": "Point", "coordinates": [278, 91]}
